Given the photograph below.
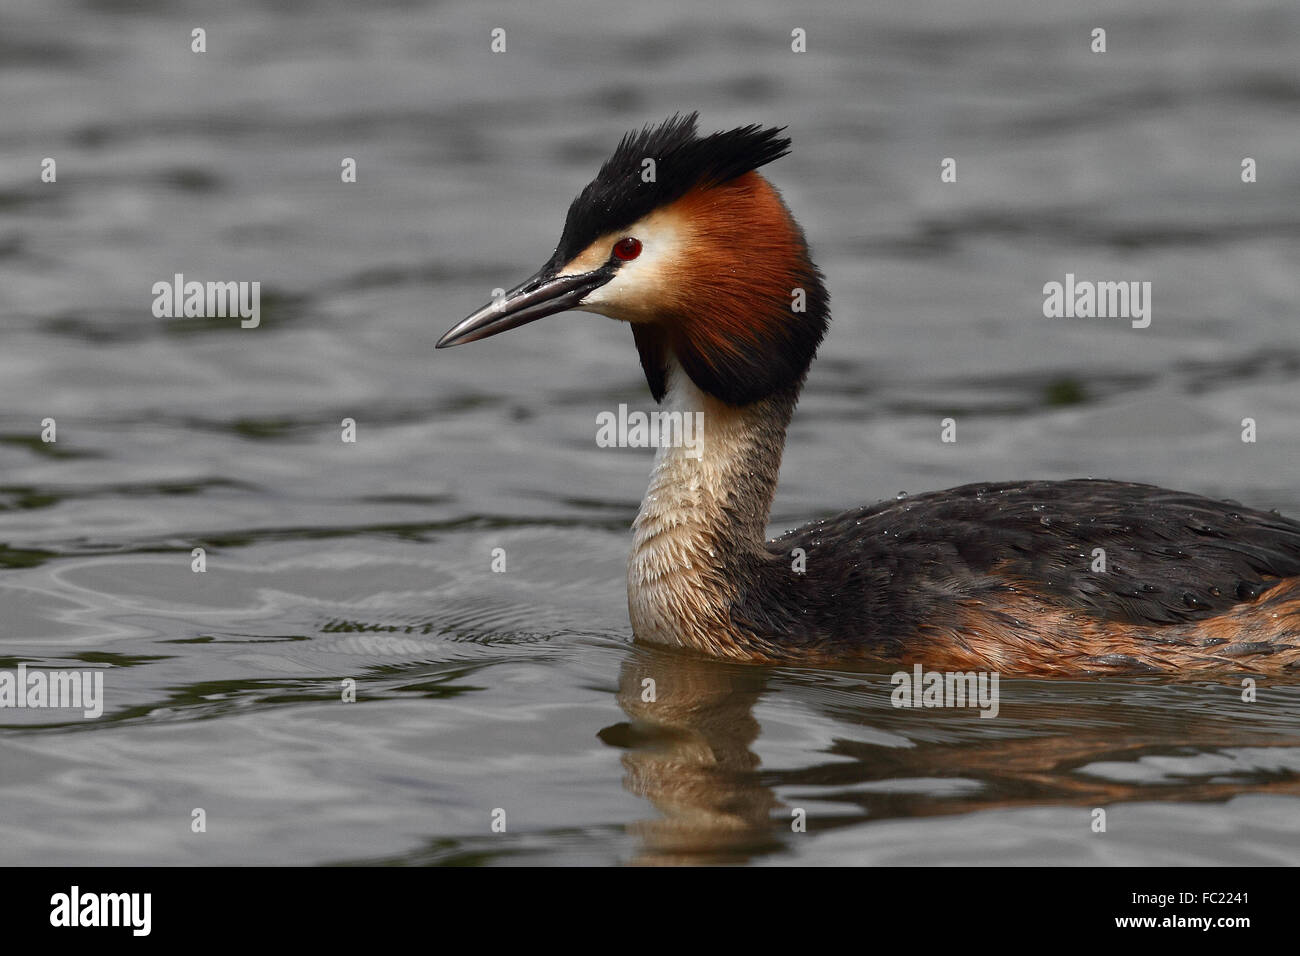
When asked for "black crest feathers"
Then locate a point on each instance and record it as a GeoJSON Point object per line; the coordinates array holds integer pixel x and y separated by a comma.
{"type": "Point", "coordinates": [620, 194]}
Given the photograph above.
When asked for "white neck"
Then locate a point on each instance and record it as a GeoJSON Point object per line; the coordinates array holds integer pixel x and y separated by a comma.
{"type": "Point", "coordinates": [703, 520]}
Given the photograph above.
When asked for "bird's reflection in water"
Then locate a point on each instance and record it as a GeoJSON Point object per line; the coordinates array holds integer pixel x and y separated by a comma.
{"type": "Point", "coordinates": [689, 750]}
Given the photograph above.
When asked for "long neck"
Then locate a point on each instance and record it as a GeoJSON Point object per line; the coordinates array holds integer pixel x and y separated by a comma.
{"type": "Point", "coordinates": [699, 535]}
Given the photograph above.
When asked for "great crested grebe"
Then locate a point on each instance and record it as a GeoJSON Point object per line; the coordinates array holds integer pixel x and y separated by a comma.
{"type": "Point", "coordinates": [703, 259]}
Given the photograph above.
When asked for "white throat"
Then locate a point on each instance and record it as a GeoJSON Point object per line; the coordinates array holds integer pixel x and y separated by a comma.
{"type": "Point", "coordinates": [701, 518]}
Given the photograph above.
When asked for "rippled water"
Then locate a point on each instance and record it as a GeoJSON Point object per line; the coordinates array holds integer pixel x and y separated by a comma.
{"type": "Point", "coordinates": [371, 561]}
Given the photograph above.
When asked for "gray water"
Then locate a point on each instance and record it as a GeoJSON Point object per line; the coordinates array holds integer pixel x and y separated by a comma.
{"type": "Point", "coordinates": [521, 691]}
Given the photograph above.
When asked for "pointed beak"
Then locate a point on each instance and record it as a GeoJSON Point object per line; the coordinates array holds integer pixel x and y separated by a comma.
{"type": "Point", "coordinates": [535, 298]}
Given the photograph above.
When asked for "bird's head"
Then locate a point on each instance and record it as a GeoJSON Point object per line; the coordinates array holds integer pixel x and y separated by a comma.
{"type": "Point", "coordinates": [680, 237]}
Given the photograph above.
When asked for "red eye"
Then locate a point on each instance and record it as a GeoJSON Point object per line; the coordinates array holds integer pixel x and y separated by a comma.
{"type": "Point", "coordinates": [628, 248]}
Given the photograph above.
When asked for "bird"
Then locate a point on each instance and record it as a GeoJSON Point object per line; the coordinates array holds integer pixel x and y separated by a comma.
{"type": "Point", "coordinates": [680, 237]}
